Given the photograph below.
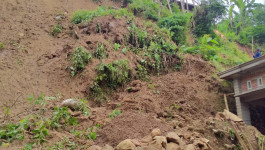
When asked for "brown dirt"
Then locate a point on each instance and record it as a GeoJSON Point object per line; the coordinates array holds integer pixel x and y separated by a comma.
{"type": "Point", "coordinates": [33, 62]}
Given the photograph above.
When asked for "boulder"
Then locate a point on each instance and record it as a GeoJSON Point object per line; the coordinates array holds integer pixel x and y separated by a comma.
{"type": "Point", "coordinates": [94, 147]}
{"type": "Point", "coordinates": [189, 147]}
{"type": "Point", "coordinates": [173, 137]}
{"type": "Point", "coordinates": [126, 145]}
{"type": "Point", "coordinates": [156, 132]}
{"type": "Point", "coordinates": [159, 142]}
{"type": "Point", "coordinates": [173, 146]}
{"type": "Point", "coordinates": [107, 147]}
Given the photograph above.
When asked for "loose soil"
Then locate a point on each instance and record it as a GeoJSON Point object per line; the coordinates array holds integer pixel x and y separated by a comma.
{"type": "Point", "coordinates": [34, 62]}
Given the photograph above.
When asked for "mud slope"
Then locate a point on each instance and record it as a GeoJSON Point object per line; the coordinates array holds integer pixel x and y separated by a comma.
{"type": "Point", "coordinates": [34, 62]}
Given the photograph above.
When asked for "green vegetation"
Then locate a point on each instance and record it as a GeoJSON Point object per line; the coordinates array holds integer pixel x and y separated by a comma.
{"type": "Point", "coordinates": [222, 53]}
{"type": "Point", "coordinates": [115, 113]}
{"type": "Point", "coordinates": [177, 24]}
{"type": "Point", "coordinates": [56, 30]}
{"type": "Point", "coordinates": [79, 59]}
{"type": "Point", "coordinates": [64, 144]}
{"type": "Point", "coordinates": [61, 115]}
{"type": "Point", "coordinates": [117, 46]}
{"type": "Point", "coordinates": [84, 16]}
{"type": "Point", "coordinates": [12, 131]}
{"type": "Point", "coordinates": [100, 52]}
{"type": "Point", "coordinates": [1, 46]}
{"type": "Point", "coordinates": [110, 76]}
{"type": "Point", "coordinates": [141, 73]}
{"type": "Point", "coordinates": [206, 16]}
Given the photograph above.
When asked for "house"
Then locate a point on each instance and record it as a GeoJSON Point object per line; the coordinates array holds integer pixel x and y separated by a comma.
{"type": "Point", "coordinates": [249, 85]}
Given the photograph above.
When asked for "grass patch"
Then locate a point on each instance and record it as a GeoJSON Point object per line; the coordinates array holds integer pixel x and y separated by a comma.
{"type": "Point", "coordinates": [1, 46]}
{"type": "Point", "coordinates": [56, 30]}
{"type": "Point", "coordinates": [82, 16]}
{"type": "Point", "coordinates": [101, 51]}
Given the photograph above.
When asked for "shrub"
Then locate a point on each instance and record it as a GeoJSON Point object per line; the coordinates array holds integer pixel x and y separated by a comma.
{"type": "Point", "coordinates": [56, 30]}
{"type": "Point", "coordinates": [12, 132]}
{"type": "Point", "coordinates": [141, 73]}
{"type": "Point", "coordinates": [79, 59]}
{"type": "Point", "coordinates": [100, 52]}
{"type": "Point", "coordinates": [137, 37]}
{"type": "Point", "coordinates": [177, 24]}
{"type": "Point", "coordinates": [110, 76]}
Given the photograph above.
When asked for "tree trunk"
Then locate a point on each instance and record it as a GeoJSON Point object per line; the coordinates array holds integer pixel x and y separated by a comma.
{"type": "Point", "coordinates": [169, 6]}
{"type": "Point", "coordinates": [182, 7]}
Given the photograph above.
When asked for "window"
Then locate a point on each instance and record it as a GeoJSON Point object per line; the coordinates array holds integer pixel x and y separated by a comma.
{"type": "Point", "coordinates": [260, 82]}
{"type": "Point", "coordinates": [249, 85]}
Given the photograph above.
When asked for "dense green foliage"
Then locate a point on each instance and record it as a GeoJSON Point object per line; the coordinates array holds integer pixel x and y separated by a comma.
{"type": "Point", "coordinates": [177, 24]}
{"type": "Point", "coordinates": [79, 59]}
{"type": "Point", "coordinates": [206, 16]}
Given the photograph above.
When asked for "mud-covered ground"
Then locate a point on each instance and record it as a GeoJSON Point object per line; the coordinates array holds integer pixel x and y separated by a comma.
{"type": "Point", "coordinates": [34, 62]}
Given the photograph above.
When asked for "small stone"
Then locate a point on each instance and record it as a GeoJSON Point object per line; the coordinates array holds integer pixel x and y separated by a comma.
{"type": "Point", "coordinates": [173, 146]}
{"type": "Point", "coordinates": [58, 17]}
{"type": "Point", "coordinates": [107, 147]}
{"type": "Point", "coordinates": [189, 147]}
{"type": "Point", "coordinates": [146, 139]}
{"type": "Point", "coordinates": [126, 145]}
{"type": "Point", "coordinates": [21, 34]}
{"type": "Point", "coordinates": [156, 132]}
{"type": "Point", "coordinates": [136, 142]}
{"type": "Point", "coordinates": [173, 137]}
{"type": "Point", "coordinates": [94, 147]}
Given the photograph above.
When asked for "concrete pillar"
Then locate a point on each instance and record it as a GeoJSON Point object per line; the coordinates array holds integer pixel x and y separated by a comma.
{"type": "Point", "coordinates": [243, 111]}
{"type": "Point", "coordinates": [242, 108]}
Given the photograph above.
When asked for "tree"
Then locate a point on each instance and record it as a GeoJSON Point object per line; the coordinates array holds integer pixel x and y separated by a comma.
{"type": "Point", "coordinates": [207, 15]}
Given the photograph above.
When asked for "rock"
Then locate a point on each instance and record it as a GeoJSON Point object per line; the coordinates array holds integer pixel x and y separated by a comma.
{"type": "Point", "coordinates": [71, 103]}
{"type": "Point", "coordinates": [229, 147]}
{"type": "Point", "coordinates": [159, 142]}
{"type": "Point", "coordinates": [201, 145]}
{"type": "Point", "coordinates": [189, 147]}
{"type": "Point", "coordinates": [156, 132]}
{"type": "Point", "coordinates": [107, 147]}
{"type": "Point", "coordinates": [146, 139]}
{"type": "Point", "coordinates": [126, 145]}
{"type": "Point", "coordinates": [136, 142]}
{"type": "Point", "coordinates": [94, 147]}
{"type": "Point", "coordinates": [173, 146]}
{"type": "Point", "coordinates": [173, 137]}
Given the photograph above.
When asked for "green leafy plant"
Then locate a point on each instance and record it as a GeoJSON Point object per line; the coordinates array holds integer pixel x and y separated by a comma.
{"type": "Point", "coordinates": [56, 30]}
{"type": "Point", "coordinates": [232, 134]}
{"type": "Point", "coordinates": [12, 132]}
{"type": "Point", "coordinates": [40, 100]}
{"type": "Point", "coordinates": [92, 135]}
{"type": "Point", "coordinates": [124, 50]}
{"type": "Point", "coordinates": [79, 60]}
{"type": "Point", "coordinates": [115, 113]}
{"type": "Point", "coordinates": [83, 107]}
{"type": "Point", "coordinates": [61, 116]}
{"type": "Point", "coordinates": [40, 133]}
{"type": "Point", "coordinates": [100, 52]}
{"type": "Point", "coordinates": [117, 46]}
